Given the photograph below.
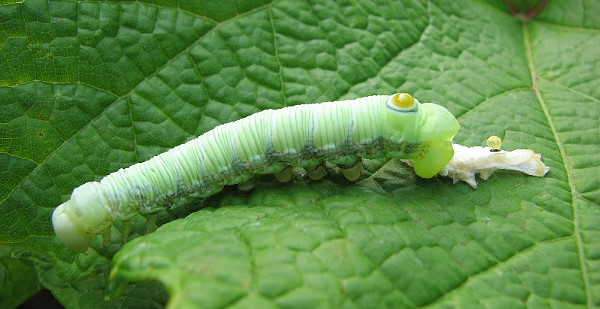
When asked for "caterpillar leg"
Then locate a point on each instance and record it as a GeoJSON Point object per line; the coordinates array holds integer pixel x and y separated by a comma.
{"type": "Point", "coordinates": [317, 173]}
{"type": "Point", "coordinates": [246, 185]}
{"type": "Point", "coordinates": [353, 172]}
{"type": "Point", "coordinates": [126, 230]}
{"type": "Point", "coordinates": [285, 175]}
{"type": "Point", "coordinates": [151, 223]}
{"type": "Point", "coordinates": [106, 237]}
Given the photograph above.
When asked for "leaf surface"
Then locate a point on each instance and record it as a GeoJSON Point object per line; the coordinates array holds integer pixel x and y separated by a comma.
{"type": "Point", "coordinates": [87, 88]}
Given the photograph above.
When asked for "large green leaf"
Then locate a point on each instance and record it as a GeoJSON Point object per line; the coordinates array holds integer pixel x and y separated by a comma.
{"type": "Point", "coordinates": [89, 87]}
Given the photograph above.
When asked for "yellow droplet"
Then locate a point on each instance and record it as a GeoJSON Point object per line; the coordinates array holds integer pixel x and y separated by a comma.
{"type": "Point", "coordinates": [403, 100]}
{"type": "Point", "coordinates": [494, 142]}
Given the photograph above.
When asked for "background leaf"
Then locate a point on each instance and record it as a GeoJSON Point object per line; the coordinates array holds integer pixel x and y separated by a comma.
{"type": "Point", "coordinates": [89, 87]}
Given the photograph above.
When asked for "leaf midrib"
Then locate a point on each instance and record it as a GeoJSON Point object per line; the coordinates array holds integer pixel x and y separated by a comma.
{"type": "Point", "coordinates": [576, 212]}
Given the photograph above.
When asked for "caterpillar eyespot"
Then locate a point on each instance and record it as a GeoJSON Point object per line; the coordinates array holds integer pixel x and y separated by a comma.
{"type": "Point", "coordinates": [402, 102]}
{"type": "Point", "coordinates": [339, 132]}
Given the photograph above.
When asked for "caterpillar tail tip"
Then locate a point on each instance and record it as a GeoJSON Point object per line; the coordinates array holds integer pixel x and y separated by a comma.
{"type": "Point", "coordinates": [68, 232]}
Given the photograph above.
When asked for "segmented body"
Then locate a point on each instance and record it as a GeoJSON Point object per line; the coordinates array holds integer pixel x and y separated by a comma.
{"type": "Point", "coordinates": [263, 143]}
{"type": "Point", "coordinates": [266, 142]}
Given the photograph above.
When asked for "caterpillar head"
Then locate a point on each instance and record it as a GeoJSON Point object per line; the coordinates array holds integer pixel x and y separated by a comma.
{"type": "Point", "coordinates": [429, 125]}
{"type": "Point", "coordinates": [77, 220]}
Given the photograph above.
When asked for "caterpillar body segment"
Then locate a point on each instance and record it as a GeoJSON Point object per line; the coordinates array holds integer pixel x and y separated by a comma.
{"type": "Point", "coordinates": [270, 141]}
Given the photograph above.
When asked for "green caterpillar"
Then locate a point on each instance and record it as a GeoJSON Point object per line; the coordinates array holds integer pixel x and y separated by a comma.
{"type": "Point", "coordinates": [270, 141]}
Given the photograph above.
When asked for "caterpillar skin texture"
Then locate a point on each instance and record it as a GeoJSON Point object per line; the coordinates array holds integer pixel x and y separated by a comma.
{"type": "Point", "coordinates": [340, 132]}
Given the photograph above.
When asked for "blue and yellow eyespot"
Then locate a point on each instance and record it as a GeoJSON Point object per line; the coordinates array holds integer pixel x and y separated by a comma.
{"type": "Point", "coordinates": [402, 102]}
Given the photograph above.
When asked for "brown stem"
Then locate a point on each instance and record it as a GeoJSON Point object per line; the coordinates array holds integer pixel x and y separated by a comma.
{"type": "Point", "coordinates": [531, 13]}
{"type": "Point", "coordinates": [538, 8]}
